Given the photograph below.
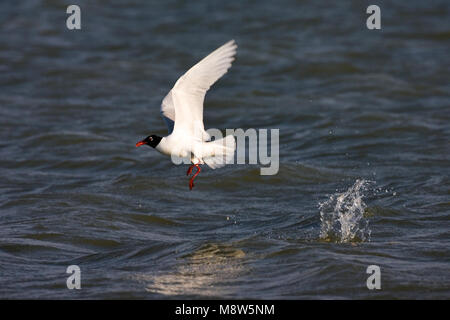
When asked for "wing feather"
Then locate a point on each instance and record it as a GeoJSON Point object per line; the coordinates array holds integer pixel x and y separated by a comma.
{"type": "Point", "coordinates": [183, 105]}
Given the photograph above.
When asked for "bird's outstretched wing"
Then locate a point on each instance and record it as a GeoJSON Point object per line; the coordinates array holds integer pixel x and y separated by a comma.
{"type": "Point", "coordinates": [168, 111]}
{"type": "Point", "coordinates": [182, 108]}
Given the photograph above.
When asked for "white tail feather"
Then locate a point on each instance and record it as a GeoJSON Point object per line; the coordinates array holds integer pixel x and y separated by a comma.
{"type": "Point", "coordinates": [222, 152]}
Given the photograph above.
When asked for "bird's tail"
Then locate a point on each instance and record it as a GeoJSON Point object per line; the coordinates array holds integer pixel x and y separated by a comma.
{"type": "Point", "coordinates": [221, 152]}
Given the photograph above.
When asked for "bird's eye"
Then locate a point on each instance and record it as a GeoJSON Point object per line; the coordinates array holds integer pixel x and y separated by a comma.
{"type": "Point", "coordinates": [151, 139]}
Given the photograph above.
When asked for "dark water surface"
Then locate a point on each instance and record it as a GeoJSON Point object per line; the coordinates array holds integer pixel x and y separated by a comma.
{"type": "Point", "coordinates": [364, 151]}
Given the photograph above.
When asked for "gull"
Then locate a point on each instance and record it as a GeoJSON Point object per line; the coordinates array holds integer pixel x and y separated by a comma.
{"type": "Point", "coordinates": [182, 110]}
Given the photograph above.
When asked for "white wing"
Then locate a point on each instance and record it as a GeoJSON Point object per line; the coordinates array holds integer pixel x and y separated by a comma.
{"type": "Point", "coordinates": [168, 111]}
{"type": "Point", "coordinates": [183, 105]}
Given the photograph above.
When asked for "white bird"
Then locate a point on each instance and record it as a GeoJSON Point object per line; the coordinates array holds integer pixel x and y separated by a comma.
{"type": "Point", "coordinates": [182, 110]}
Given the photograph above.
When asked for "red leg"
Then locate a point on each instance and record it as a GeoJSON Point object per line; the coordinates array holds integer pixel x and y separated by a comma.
{"type": "Point", "coordinates": [190, 169]}
{"type": "Point", "coordinates": [191, 181]}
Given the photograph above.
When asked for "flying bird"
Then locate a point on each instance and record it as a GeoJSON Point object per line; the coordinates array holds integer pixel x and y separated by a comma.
{"type": "Point", "coordinates": [182, 110]}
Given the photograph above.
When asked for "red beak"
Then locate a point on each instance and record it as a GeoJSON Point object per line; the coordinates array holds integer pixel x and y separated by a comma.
{"type": "Point", "coordinates": [140, 143]}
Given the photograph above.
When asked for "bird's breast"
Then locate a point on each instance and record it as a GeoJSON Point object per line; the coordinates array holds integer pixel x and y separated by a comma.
{"type": "Point", "coordinates": [173, 147]}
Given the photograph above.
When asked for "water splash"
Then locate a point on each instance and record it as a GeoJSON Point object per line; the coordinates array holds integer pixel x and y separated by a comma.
{"type": "Point", "coordinates": [342, 215]}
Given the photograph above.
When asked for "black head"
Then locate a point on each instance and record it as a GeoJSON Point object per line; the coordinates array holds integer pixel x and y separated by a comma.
{"type": "Point", "coordinates": [152, 141]}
